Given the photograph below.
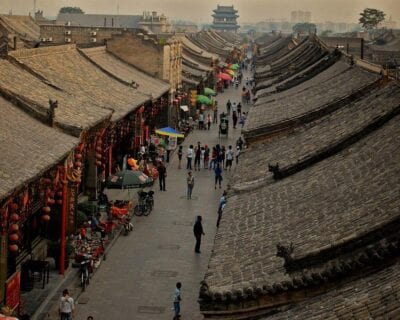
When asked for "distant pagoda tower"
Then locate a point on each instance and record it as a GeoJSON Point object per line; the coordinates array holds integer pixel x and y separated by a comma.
{"type": "Point", "coordinates": [225, 18]}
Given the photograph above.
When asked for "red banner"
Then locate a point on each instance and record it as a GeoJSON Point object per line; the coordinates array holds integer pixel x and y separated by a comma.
{"type": "Point", "coordinates": [13, 285]}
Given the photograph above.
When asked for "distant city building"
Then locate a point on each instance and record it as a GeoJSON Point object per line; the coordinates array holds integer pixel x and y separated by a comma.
{"type": "Point", "coordinates": [300, 16]}
{"type": "Point", "coordinates": [225, 18]}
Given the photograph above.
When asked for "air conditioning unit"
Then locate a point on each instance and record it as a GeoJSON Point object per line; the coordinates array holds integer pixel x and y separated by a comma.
{"type": "Point", "coordinates": [68, 32]}
{"type": "Point", "coordinates": [67, 39]}
{"type": "Point", "coordinates": [93, 40]}
{"type": "Point", "coordinates": [93, 33]}
{"type": "Point", "coordinates": [49, 39]}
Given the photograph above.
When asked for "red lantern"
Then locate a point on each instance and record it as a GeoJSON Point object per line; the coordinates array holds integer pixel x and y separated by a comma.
{"type": "Point", "coordinates": [14, 217]}
{"type": "Point", "coordinates": [78, 156]}
{"type": "Point", "coordinates": [13, 248]}
{"type": "Point", "coordinates": [98, 156]}
{"type": "Point", "coordinates": [14, 207]}
{"type": "Point", "coordinates": [98, 163]}
{"type": "Point", "coordinates": [13, 237]}
{"type": "Point", "coordinates": [59, 193]}
{"type": "Point", "coordinates": [46, 209]}
{"type": "Point", "coordinates": [78, 164]}
{"type": "Point", "coordinates": [59, 201]}
{"type": "Point", "coordinates": [50, 201]}
{"type": "Point", "coordinates": [45, 218]}
{"type": "Point", "coordinates": [99, 149]}
{"type": "Point", "coordinates": [14, 227]}
{"type": "Point", "coordinates": [46, 181]}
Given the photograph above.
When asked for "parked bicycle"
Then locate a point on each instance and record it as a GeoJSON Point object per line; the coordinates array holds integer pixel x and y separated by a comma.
{"type": "Point", "coordinates": [145, 203]}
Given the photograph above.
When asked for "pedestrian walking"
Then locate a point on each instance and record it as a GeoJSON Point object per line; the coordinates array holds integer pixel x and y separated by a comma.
{"type": "Point", "coordinates": [162, 173]}
{"type": "Point", "coordinates": [229, 158]}
{"type": "Point", "coordinates": [197, 156]}
{"type": "Point", "coordinates": [214, 156]}
{"type": "Point", "coordinates": [239, 108]}
{"type": "Point", "coordinates": [228, 107]}
{"type": "Point", "coordinates": [222, 156]}
{"type": "Point", "coordinates": [237, 154]}
{"type": "Point", "coordinates": [218, 176]}
{"type": "Point", "coordinates": [190, 184]}
{"type": "Point", "coordinates": [180, 153]}
{"type": "Point", "coordinates": [67, 307]}
{"type": "Point", "coordinates": [201, 120]}
{"type": "Point", "coordinates": [209, 120]}
{"type": "Point", "coordinates": [198, 233]}
{"type": "Point", "coordinates": [177, 301]}
{"type": "Point", "coordinates": [215, 109]}
{"type": "Point", "coordinates": [189, 157]}
{"type": "Point", "coordinates": [234, 119]}
{"type": "Point", "coordinates": [202, 155]}
{"type": "Point", "coordinates": [206, 156]}
{"type": "Point", "coordinates": [239, 143]}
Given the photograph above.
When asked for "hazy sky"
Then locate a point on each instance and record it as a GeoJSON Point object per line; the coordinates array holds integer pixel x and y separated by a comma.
{"type": "Point", "coordinates": [200, 10]}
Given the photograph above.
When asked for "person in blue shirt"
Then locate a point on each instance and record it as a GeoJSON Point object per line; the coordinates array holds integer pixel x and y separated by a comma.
{"type": "Point", "coordinates": [218, 175]}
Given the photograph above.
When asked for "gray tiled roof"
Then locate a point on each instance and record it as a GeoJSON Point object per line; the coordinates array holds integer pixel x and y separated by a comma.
{"type": "Point", "coordinates": [24, 26]}
{"type": "Point", "coordinates": [315, 137]}
{"type": "Point", "coordinates": [99, 20]}
{"type": "Point", "coordinates": [376, 296]}
{"type": "Point", "coordinates": [147, 84]}
{"type": "Point", "coordinates": [75, 111]}
{"type": "Point", "coordinates": [264, 116]}
{"type": "Point", "coordinates": [66, 68]}
{"type": "Point", "coordinates": [27, 148]}
{"type": "Point", "coordinates": [342, 197]}
{"type": "Point", "coordinates": [322, 77]}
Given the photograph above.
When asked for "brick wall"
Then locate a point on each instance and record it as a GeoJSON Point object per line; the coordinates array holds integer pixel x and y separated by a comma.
{"type": "Point", "coordinates": [138, 51]}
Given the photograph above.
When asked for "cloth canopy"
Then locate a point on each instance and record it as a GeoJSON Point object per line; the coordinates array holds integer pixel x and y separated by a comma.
{"type": "Point", "coordinates": [184, 108]}
{"type": "Point", "coordinates": [168, 131]}
{"type": "Point", "coordinates": [128, 179]}
{"type": "Point", "coordinates": [224, 76]}
{"type": "Point", "coordinates": [204, 100]}
{"type": "Point", "coordinates": [209, 92]}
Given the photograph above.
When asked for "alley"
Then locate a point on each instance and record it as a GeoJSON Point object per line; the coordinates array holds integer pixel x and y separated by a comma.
{"type": "Point", "coordinates": [138, 278]}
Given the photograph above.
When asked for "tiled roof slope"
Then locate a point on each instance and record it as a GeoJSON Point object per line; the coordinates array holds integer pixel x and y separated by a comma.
{"type": "Point", "coordinates": [376, 296]}
{"type": "Point", "coordinates": [24, 26]}
{"type": "Point", "coordinates": [322, 77]}
{"type": "Point", "coordinates": [127, 73]}
{"type": "Point", "coordinates": [303, 104]}
{"type": "Point", "coordinates": [336, 200]}
{"type": "Point", "coordinates": [66, 68]}
{"type": "Point", "coordinates": [186, 42]}
{"type": "Point", "coordinates": [315, 138]}
{"type": "Point", "coordinates": [75, 112]}
{"type": "Point", "coordinates": [27, 147]}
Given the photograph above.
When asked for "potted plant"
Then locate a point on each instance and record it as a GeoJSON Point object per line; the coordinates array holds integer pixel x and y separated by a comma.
{"type": "Point", "coordinates": [53, 251]}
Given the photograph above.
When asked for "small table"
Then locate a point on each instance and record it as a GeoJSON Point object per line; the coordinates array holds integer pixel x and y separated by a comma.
{"type": "Point", "coordinates": [43, 267]}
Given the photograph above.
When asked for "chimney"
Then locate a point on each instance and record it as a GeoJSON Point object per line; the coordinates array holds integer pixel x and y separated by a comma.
{"type": "Point", "coordinates": [51, 112]}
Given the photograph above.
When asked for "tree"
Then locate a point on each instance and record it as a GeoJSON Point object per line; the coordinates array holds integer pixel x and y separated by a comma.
{"type": "Point", "coordinates": [370, 18]}
{"type": "Point", "coordinates": [71, 10]}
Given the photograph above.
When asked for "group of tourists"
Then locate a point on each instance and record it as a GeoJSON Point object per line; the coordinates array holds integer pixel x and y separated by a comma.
{"type": "Point", "coordinates": [237, 114]}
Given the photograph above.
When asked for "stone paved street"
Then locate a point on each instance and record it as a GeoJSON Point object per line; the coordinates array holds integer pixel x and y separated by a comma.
{"type": "Point", "coordinates": [138, 278]}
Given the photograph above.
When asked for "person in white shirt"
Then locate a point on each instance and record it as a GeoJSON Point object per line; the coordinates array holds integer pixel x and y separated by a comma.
{"type": "Point", "coordinates": [229, 158]}
{"type": "Point", "coordinates": [189, 157]}
{"type": "Point", "coordinates": [67, 307]}
{"type": "Point", "coordinates": [177, 300]}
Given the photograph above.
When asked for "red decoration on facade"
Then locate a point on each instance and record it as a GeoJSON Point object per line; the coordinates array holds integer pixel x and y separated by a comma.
{"type": "Point", "coordinates": [13, 248]}
{"type": "Point", "coordinates": [13, 237]}
{"type": "Point", "coordinates": [14, 227]}
{"type": "Point", "coordinates": [14, 217]}
{"type": "Point", "coordinates": [46, 209]}
{"type": "Point", "coordinates": [46, 218]}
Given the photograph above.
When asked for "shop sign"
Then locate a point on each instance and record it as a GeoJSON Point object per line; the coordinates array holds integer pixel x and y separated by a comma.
{"type": "Point", "coordinates": [172, 143]}
{"type": "Point", "coordinates": [13, 285]}
{"type": "Point", "coordinates": [72, 201]}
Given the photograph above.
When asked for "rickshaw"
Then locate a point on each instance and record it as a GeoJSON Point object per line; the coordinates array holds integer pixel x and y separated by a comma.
{"type": "Point", "coordinates": [223, 127]}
